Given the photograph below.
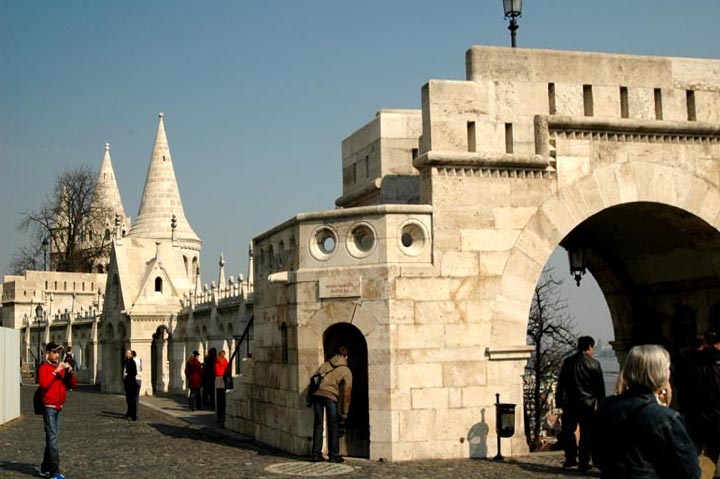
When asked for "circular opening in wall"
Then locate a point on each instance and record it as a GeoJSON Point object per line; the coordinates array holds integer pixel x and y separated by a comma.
{"type": "Point", "coordinates": [412, 238]}
{"type": "Point", "coordinates": [324, 243]}
{"type": "Point", "coordinates": [361, 240]}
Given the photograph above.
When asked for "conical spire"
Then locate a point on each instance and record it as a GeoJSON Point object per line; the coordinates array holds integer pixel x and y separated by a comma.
{"type": "Point", "coordinates": [107, 189]}
{"type": "Point", "coordinates": [161, 199]}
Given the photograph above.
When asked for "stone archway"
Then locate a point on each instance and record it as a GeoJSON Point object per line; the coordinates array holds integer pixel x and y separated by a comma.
{"type": "Point", "coordinates": [159, 360]}
{"type": "Point", "coordinates": [356, 441]}
{"type": "Point", "coordinates": [653, 245]}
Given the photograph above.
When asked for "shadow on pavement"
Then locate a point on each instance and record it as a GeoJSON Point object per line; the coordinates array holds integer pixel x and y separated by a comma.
{"type": "Point", "coordinates": [547, 469]}
{"type": "Point", "coordinates": [21, 467]}
{"type": "Point", "coordinates": [208, 435]}
{"type": "Point", "coordinates": [113, 414]}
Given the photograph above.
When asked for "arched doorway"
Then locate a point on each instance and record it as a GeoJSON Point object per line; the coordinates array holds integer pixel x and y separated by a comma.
{"type": "Point", "coordinates": [356, 441]}
{"type": "Point", "coordinates": [159, 361]}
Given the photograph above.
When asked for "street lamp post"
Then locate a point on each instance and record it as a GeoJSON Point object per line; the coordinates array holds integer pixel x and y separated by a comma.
{"type": "Point", "coordinates": [39, 322]}
{"type": "Point", "coordinates": [576, 258]}
{"type": "Point", "coordinates": [513, 11]}
{"type": "Point", "coordinates": [45, 248]}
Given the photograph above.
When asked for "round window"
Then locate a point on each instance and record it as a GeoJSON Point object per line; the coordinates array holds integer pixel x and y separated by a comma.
{"type": "Point", "coordinates": [361, 240]}
{"type": "Point", "coordinates": [323, 243]}
{"type": "Point", "coordinates": [412, 238]}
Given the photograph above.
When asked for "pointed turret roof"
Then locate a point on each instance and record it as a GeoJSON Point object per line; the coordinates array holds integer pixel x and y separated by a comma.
{"type": "Point", "coordinates": [107, 188]}
{"type": "Point", "coordinates": [161, 199]}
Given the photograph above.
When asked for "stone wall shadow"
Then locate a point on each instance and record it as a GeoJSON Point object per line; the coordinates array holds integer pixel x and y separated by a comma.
{"type": "Point", "coordinates": [477, 438]}
{"type": "Point", "coordinates": [208, 435]}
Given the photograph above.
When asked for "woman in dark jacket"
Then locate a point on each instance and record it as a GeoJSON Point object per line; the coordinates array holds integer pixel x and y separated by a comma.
{"type": "Point", "coordinates": [194, 374]}
{"type": "Point", "coordinates": [636, 435]}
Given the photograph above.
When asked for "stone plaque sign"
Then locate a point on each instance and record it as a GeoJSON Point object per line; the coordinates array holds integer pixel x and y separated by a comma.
{"type": "Point", "coordinates": [345, 287]}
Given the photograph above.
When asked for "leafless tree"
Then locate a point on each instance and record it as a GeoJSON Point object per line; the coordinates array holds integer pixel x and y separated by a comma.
{"type": "Point", "coordinates": [73, 219]}
{"type": "Point", "coordinates": [551, 332]}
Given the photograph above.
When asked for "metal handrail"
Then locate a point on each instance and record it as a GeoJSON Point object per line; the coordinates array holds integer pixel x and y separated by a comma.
{"type": "Point", "coordinates": [245, 336]}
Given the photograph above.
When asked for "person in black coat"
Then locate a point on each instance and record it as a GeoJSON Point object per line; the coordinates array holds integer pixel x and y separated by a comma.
{"type": "Point", "coordinates": [703, 418]}
{"type": "Point", "coordinates": [636, 434]}
{"type": "Point", "coordinates": [130, 384]}
{"type": "Point", "coordinates": [209, 379]}
{"type": "Point", "coordinates": [580, 387]}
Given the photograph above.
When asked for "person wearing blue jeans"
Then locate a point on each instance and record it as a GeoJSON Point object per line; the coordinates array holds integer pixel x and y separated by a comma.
{"type": "Point", "coordinates": [54, 379]}
{"type": "Point", "coordinates": [51, 458]}
{"type": "Point", "coordinates": [320, 406]}
{"type": "Point", "coordinates": [335, 387]}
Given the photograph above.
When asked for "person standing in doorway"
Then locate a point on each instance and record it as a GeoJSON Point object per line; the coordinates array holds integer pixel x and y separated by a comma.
{"type": "Point", "coordinates": [579, 390]}
{"type": "Point", "coordinates": [193, 373]}
{"type": "Point", "coordinates": [130, 385]}
{"type": "Point", "coordinates": [209, 379]}
{"type": "Point", "coordinates": [138, 381]}
{"type": "Point", "coordinates": [332, 398]}
{"type": "Point", "coordinates": [54, 378]}
{"type": "Point", "coordinates": [221, 364]}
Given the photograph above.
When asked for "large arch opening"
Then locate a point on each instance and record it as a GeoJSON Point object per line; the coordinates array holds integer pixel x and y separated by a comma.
{"type": "Point", "coordinates": [356, 441]}
{"type": "Point", "coordinates": [653, 276]}
{"type": "Point", "coordinates": [658, 267]}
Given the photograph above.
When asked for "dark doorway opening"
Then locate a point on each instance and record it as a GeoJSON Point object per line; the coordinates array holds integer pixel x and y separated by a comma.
{"type": "Point", "coordinates": [356, 441]}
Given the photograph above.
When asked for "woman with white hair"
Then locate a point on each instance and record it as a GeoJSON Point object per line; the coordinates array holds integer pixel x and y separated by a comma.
{"type": "Point", "coordinates": [637, 435]}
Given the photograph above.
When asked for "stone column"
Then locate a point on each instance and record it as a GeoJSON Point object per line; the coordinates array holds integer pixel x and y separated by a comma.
{"type": "Point", "coordinates": [142, 348]}
{"type": "Point", "coordinates": [178, 356]}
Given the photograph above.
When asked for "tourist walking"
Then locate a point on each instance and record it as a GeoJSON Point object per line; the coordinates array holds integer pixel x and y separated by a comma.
{"type": "Point", "coordinates": [221, 364]}
{"type": "Point", "coordinates": [703, 417]}
{"type": "Point", "coordinates": [69, 357]}
{"type": "Point", "coordinates": [193, 373]}
{"type": "Point", "coordinates": [209, 379]}
{"type": "Point", "coordinates": [130, 385]}
{"type": "Point", "coordinates": [54, 378]}
{"type": "Point", "coordinates": [580, 387]}
{"type": "Point", "coordinates": [636, 434]}
{"type": "Point", "coordinates": [332, 398]}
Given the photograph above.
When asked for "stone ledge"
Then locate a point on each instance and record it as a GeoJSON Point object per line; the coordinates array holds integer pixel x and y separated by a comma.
{"type": "Point", "coordinates": [481, 160]}
{"type": "Point", "coordinates": [622, 130]}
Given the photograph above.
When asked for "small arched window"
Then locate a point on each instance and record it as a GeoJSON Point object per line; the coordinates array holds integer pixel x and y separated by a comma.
{"type": "Point", "coordinates": [158, 284]}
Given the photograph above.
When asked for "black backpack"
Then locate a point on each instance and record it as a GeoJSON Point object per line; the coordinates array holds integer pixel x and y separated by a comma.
{"type": "Point", "coordinates": [38, 406]}
{"type": "Point", "coordinates": [315, 382]}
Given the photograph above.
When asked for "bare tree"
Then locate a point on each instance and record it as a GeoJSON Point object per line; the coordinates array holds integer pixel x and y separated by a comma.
{"type": "Point", "coordinates": [551, 332]}
{"type": "Point", "coordinates": [73, 219]}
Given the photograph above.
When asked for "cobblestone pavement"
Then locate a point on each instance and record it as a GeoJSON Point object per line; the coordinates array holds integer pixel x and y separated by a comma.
{"type": "Point", "coordinates": [169, 441]}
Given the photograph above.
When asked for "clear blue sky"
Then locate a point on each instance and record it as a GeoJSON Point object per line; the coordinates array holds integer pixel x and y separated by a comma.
{"type": "Point", "coordinates": [258, 95]}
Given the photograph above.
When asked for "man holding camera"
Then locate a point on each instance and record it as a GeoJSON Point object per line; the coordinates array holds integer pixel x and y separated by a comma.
{"type": "Point", "coordinates": [54, 378]}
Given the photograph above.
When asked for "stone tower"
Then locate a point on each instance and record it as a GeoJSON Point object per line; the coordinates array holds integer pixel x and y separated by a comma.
{"type": "Point", "coordinates": [151, 269]}
{"type": "Point", "coordinates": [112, 221]}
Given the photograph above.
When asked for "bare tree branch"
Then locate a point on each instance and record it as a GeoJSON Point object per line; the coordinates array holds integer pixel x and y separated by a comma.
{"type": "Point", "coordinates": [74, 219]}
{"type": "Point", "coordinates": [551, 331]}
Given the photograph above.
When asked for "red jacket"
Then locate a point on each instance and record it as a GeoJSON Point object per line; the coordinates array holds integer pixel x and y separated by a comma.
{"type": "Point", "coordinates": [193, 371]}
{"type": "Point", "coordinates": [54, 385]}
{"type": "Point", "coordinates": [220, 366]}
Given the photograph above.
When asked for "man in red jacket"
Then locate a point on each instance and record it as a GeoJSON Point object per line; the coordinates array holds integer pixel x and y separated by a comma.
{"type": "Point", "coordinates": [54, 378]}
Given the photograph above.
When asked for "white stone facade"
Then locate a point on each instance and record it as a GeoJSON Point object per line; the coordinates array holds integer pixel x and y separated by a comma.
{"type": "Point", "coordinates": [450, 214]}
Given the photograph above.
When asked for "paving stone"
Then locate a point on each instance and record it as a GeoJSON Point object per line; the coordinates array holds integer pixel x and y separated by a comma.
{"type": "Point", "coordinates": [170, 441]}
